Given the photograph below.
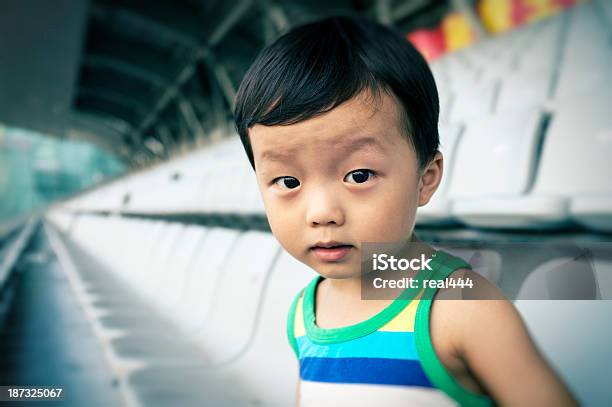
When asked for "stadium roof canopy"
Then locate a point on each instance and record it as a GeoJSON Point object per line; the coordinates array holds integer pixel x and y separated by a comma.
{"type": "Point", "coordinates": [144, 79]}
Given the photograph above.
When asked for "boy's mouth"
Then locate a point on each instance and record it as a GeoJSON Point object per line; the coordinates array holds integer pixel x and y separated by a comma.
{"type": "Point", "coordinates": [331, 251]}
{"type": "Point", "coordinates": [329, 245]}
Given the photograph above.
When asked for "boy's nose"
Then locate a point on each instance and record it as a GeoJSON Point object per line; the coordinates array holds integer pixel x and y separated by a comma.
{"type": "Point", "coordinates": [324, 208]}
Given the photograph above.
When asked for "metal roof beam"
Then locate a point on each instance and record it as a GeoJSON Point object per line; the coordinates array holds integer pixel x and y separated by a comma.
{"type": "Point", "coordinates": [113, 97]}
{"type": "Point", "coordinates": [123, 67]}
{"type": "Point", "coordinates": [202, 51]}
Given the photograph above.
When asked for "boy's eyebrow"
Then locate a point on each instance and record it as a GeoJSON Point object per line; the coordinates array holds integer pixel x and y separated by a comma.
{"type": "Point", "coordinates": [346, 146]}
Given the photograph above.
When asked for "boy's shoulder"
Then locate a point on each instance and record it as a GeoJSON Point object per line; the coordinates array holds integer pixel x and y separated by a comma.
{"type": "Point", "coordinates": [472, 297]}
{"type": "Point", "coordinates": [466, 284]}
{"type": "Point", "coordinates": [483, 342]}
{"type": "Point", "coordinates": [467, 316]}
{"type": "Point", "coordinates": [461, 325]}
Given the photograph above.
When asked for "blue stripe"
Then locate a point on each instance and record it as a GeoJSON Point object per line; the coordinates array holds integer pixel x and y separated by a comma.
{"type": "Point", "coordinates": [379, 344]}
{"type": "Point", "coordinates": [364, 370]}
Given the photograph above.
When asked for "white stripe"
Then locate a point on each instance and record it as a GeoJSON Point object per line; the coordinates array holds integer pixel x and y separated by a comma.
{"type": "Point", "coordinates": [322, 394]}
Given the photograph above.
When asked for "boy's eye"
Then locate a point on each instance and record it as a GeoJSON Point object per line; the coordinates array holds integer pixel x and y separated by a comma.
{"type": "Point", "coordinates": [287, 182]}
{"type": "Point", "coordinates": [360, 176]}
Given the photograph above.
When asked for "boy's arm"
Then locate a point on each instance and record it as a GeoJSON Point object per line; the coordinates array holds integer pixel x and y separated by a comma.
{"type": "Point", "coordinates": [495, 344]}
{"type": "Point", "coordinates": [297, 393]}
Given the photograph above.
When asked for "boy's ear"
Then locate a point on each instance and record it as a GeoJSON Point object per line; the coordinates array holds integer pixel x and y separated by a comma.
{"type": "Point", "coordinates": [430, 178]}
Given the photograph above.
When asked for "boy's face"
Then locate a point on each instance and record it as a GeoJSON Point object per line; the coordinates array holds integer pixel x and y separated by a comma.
{"type": "Point", "coordinates": [348, 175]}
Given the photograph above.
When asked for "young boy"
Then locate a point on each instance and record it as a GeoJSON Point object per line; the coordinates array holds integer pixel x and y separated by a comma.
{"type": "Point", "coordinates": [339, 120]}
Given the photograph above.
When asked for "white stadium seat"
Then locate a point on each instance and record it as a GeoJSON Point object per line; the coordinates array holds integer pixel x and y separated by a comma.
{"type": "Point", "coordinates": [173, 280]}
{"type": "Point", "coordinates": [495, 163]}
{"type": "Point", "coordinates": [473, 101]}
{"type": "Point", "coordinates": [234, 383]}
{"type": "Point", "coordinates": [587, 55]}
{"type": "Point", "coordinates": [238, 296]}
{"type": "Point", "coordinates": [521, 89]}
{"type": "Point", "coordinates": [204, 277]}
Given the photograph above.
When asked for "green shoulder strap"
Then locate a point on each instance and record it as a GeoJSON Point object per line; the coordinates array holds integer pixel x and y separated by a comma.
{"type": "Point", "coordinates": [434, 369]}
{"type": "Point", "coordinates": [290, 324]}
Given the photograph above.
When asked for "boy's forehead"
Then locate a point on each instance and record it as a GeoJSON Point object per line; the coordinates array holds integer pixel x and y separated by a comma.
{"type": "Point", "coordinates": [361, 117]}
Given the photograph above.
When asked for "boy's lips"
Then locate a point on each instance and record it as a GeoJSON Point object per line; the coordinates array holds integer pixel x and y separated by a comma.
{"type": "Point", "coordinates": [331, 250]}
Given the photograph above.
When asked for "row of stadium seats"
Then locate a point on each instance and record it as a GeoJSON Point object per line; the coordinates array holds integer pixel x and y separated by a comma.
{"type": "Point", "coordinates": [526, 170]}
{"type": "Point", "coordinates": [224, 292]}
{"type": "Point", "coordinates": [520, 169]}
{"type": "Point", "coordinates": [216, 179]}
{"type": "Point", "coordinates": [222, 296]}
{"type": "Point", "coordinates": [541, 64]}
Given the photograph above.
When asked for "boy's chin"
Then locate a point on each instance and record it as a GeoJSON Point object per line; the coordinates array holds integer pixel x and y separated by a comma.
{"type": "Point", "coordinates": [338, 272]}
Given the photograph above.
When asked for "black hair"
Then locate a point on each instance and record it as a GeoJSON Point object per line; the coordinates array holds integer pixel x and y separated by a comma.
{"type": "Point", "coordinates": [317, 66]}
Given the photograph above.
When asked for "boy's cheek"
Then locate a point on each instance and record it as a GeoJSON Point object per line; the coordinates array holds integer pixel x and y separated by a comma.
{"type": "Point", "coordinates": [269, 206]}
{"type": "Point", "coordinates": [273, 211]}
{"type": "Point", "coordinates": [394, 218]}
{"type": "Point", "coordinates": [283, 229]}
{"type": "Point", "coordinates": [290, 243]}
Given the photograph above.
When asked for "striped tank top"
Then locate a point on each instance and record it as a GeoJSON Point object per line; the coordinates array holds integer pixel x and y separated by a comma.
{"type": "Point", "coordinates": [386, 360]}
